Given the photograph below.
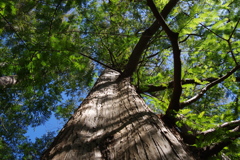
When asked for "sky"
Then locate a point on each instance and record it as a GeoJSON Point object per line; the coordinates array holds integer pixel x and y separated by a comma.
{"type": "Point", "coordinates": [52, 124]}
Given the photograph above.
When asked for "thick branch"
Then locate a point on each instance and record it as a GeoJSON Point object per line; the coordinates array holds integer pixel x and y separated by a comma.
{"type": "Point", "coordinates": [217, 147]}
{"type": "Point", "coordinates": [7, 81]}
{"type": "Point", "coordinates": [210, 85]}
{"type": "Point", "coordinates": [177, 90]}
{"type": "Point", "coordinates": [214, 149]}
{"type": "Point", "coordinates": [233, 128]}
{"type": "Point", "coordinates": [144, 40]}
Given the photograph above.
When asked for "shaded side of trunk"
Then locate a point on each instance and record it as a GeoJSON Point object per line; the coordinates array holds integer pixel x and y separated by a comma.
{"type": "Point", "coordinates": [114, 122]}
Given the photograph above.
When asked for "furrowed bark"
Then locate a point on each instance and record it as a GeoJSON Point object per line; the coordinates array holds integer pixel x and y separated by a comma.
{"type": "Point", "coordinates": [143, 41]}
{"type": "Point", "coordinates": [113, 122]}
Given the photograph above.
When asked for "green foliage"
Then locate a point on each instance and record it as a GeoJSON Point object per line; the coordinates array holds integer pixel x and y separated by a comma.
{"type": "Point", "coordinates": [47, 45]}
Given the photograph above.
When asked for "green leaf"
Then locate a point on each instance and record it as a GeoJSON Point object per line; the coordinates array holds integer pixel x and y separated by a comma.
{"type": "Point", "coordinates": [201, 114]}
{"type": "Point", "coordinates": [39, 56]}
{"type": "Point", "coordinates": [197, 80]}
{"type": "Point", "coordinates": [185, 111]}
{"type": "Point", "coordinates": [43, 63]}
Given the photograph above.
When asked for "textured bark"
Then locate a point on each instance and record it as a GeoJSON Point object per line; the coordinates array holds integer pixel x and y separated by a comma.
{"type": "Point", "coordinates": [7, 81]}
{"type": "Point", "coordinates": [113, 122]}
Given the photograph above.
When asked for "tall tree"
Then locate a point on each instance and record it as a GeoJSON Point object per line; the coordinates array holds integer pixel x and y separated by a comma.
{"type": "Point", "coordinates": [169, 89]}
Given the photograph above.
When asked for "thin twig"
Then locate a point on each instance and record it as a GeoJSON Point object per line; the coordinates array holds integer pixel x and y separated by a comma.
{"type": "Point", "coordinates": [234, 29]}
{"type": "Point", "coordinates": [53, 16]}
{"type": "Point", "coordinates": [229, 43]}
{"type": "Point", "coordinates": [14, 31]}
{"type": "Point", "coordinates": [210, 85]}
{"type": "Point", "coordinates": [188, 35]}
{"type": "Point", "coordinates": [231, 51]}
{"type": "Point", "coordinates": [209, 29]}
{"type": "Point", "coordinates": [101, 63]}
{"type": "Point", "coordinates": [89, 57]}
{"type": "Point", "coordinates": [228, 125]}
{"type": "Point", "coordinates": [112, 57]}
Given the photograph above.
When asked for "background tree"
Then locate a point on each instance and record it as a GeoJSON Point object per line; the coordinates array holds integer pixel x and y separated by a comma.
{"type": "Point", "coordinates": [182, 57]}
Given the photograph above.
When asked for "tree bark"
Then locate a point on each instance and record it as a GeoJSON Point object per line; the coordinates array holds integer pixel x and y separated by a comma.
{"type": "Point", "coordinates": [114, 122]}
{"type": "Point", "coordinates": [7, 81]}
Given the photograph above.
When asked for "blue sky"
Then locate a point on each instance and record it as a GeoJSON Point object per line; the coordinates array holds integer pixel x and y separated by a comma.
{"type": "Point", "coordinates": [52, 124]}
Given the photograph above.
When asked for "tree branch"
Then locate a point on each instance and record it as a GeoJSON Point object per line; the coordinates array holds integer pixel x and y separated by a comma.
{"type": "Point", "coordinates": [228, 125]}
{"type": "Point", "coordinates": [214, 149]}
{"type": "Point", "coordinates": [53, 16]}
{"type": "Point", "coordinates": [144, 40]}
{"type": "Point", "coordinates": [217, 147]}
{"type": "Point", "coordinates": [233, 128]}
{"type": "Point", "coordinates": [152, 88]}
{"type": "Point", "coordinates": [188, 35]}
{"type": "Point", "coordinates": [17, 34]}
{"type": "Point", "coordinates": [89, 57]}
{"type": "Point", "coordinates": [235, 28]}
{"type": "Point", "coordinates": [210, 85]}
{"type": "Point", "coordinates": [229, 42]}
{"type": "Point", "coordinates": [112, 57]}
{"type": "Point", "coordinates": [231, 51]}
{"type": "Point", "coordinates": [101, 63]}
{"type": "Point", "coordinates": [7, 81]}
{"type": "Point", "coordinates": [208, 29]}
{"type": "Point", "coordinates": [177, 86]}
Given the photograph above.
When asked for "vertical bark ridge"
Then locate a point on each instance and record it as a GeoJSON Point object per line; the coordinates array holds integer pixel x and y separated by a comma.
{"type": "Point", "coordinates": [114, 122]}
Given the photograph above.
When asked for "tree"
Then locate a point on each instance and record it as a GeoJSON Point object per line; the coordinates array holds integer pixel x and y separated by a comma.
{"type": "Point", "coordinates": [171, 54]}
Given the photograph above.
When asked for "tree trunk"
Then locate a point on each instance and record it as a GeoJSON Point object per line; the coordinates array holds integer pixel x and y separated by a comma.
{"type": "Point", "coordinates": [114, 122]}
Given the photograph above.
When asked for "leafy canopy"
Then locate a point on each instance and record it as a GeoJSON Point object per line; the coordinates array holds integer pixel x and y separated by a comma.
{"type": "Point", "coordinates": [56, 49]}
